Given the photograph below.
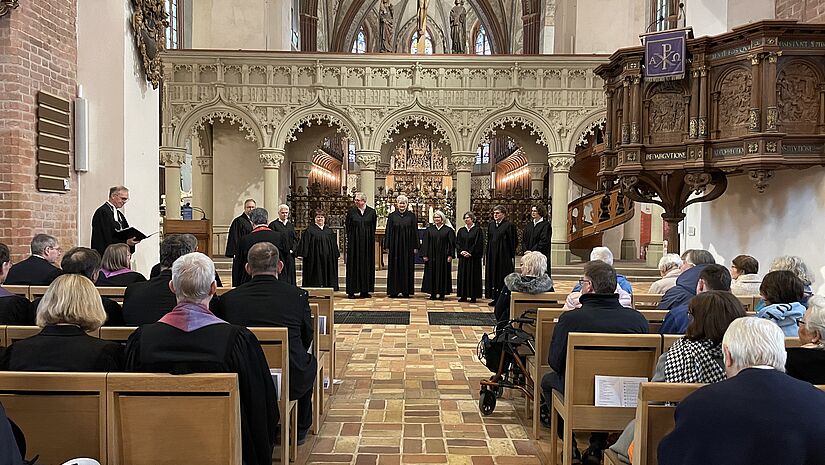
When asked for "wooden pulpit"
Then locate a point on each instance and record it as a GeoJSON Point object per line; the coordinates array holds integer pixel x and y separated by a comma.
{"type": "Point", "coordinates": [201, 229]}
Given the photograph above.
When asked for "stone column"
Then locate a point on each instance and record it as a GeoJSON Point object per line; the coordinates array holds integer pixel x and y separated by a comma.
{"type": "Point", "coordinates": [205, 198]}
{"type": "Point", "coordinates": [537, 171]}
{"type": "Point", "coordinates": [172, 158]}
{"type": "Point", "coordinates": [271, 159]}
{"type": "Point", "coordinates": [655, 249]}
{"type": "Point", "coordinates": [630, 231]}
{"type": "Point", "coordinates": [463, 162]}
{"type": "Point", "coordinates": [368, 161]}
{"type": "Point", "coordinates": [560, 162]}
{"type": "Point", "coordinates": [381, 172]}
{"type": "Point", "coordinates": [302, 170]}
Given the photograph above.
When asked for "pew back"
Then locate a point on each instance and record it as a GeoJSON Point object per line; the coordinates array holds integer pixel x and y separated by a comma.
{"type": "Point", "coordinates": [655, 420]}
{"type": "Point", "coordinates": [22, 291]}
{"type": "Point", "coordinates": [117, 333]}
{"type": "Point", "coordinates": [646, 301]}
{"type": "Point", "coordinates": [62, 414]}
{"type": "Point", "coordinates": [521, 301]}
{"type": "Point", "coordinates": [545, 325]}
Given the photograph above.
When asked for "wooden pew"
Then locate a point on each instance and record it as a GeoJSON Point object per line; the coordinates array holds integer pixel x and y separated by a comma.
{"type": "Point", "coordinates": [325, 299]}
{"type": "Point", "coordinates": [36, 292]}
{"type": "Point", "coordinates": [16, 333]}
{"type": "Point", "coordinates": [21, 290]}
{"type": "Point", "coordinates": [545, 325]}
{"type": "Point", "coordinates": [749, 302]}
{"type": "Point", "coordinates": [668, 340]}
{"type": "Point", "coordinates": [318, 400]}
{"type": "Point", "coordinates": [114, 293]}
{"type": "Point", "coordinates": [655, 420]}
{"type": "Point", "coordinates": [792, 341]}
{"type": "Point", "coordinates": [275, 344]}
{"type": "Point", "coordinates": [172, 419]}
{"type": "Point", "coordinates": [63, 415]}
{"type": "Point", "coordinates": [646, 301]}
{"type": "Point", "coordinates": [654, 319]}
{"type": "Point", "coordinates": [117, 333]}
{"type": "Point", "coordinates": [588, 355]}
{"type": "Point", "coordinates": [521, 301]}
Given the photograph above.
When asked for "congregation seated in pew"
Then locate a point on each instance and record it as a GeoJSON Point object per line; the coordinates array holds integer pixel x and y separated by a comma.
{"type": "Point", "coordinates": [693, 262]}
{"type": "Point", "coordinates": [191, 339]}
{"type": "Point", "coordinates": [670, 267]}
{"type": "Point", "coordinates": [70, 308]}
{"type": "Point", "coordinates": [267, 301]}
{"type": "Point", "coordinates": [808, 361]}
{"type": "Point", "coordinates": [532, 278]}
{"type": "Point", "coordinates": [600, 312]}
{"type": "Point", "coordinates": [783, 292]}
{"type": "Point", "coordinates": [759, 415]}
{"type": "Point", "coordinates": [798, 267]}
{"type": "Point", "coordinates": [697, 356]}
{"type": "Point", "coordinates": [114, 267]}
{"type": "Point", "coordinates": [40, 268]}
{"type": "Point", "coordinates": [743, 271]}
{"type": "Point", "coordinates": [712, 277]}
{"type": "Point", "coordinates": [623, 286]}
{"type": "Point", "coordinates": [14, 309]}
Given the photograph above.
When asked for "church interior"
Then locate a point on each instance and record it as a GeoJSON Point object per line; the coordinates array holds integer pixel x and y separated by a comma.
{"type": "Point", "coordinates": [649, 127]}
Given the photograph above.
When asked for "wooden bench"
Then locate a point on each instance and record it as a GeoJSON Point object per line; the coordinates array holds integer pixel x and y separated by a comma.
{"type": "Point", "coordinates": [654, 318]}
{"type": "Point", "coordinates": [318, 400]}
{"type": "Point", "coordinates": [749, 302]}
{"type": "Point", "coordinates": [325, 299]}
{"type": "Point", "coordinates": [654, 420]}
{"type": "Point", "coordinates": [646, 301]}
{"type": "Point", "coordinates": [115, 293]}
{"type": "Point", "coordinates": [155, 419]}
{"type": "Point", "coordinates": [521, 301]}
{"type": "Point", "coordinates": [63, 415]}
{"type": "Point", "coordinates": [37, 292]}
{"type": "Point", "coordinates": [17, 333]}
{"type": "Point", "coordinates": [792, 341]}
{"type": "Point", "coordinates": [546, 319]}
{"type": "Point", "coordinates": [21, 290]}
{"type": "Point", "coordinates": [117, 333]}
{"type": "Point", "coordinates": [275, 345]}
{"type": "Point", "coordinates": [588, 355]}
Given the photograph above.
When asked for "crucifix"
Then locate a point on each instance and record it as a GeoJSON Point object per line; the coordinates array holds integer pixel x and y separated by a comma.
{"type": "Point", "coordinates": [422, 25]}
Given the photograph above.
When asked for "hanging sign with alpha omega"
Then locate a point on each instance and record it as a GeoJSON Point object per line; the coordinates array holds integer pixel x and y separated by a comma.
{"type": "Point", "coordinates": [665, 54]}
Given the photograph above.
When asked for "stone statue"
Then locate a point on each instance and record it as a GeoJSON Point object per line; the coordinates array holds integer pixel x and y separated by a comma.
{"type": "Point", "coordinates": [458, 31]}
{"type": "Point", "coordinates": [386, 26]}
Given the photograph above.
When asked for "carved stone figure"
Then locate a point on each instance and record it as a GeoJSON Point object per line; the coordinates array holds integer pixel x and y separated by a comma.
{"type": "Point", "coordinates": [734, 102]}
{"type": "Point", "coordinates": [458, 30]}
{"type": "Point", "coordinates": [386, 26]}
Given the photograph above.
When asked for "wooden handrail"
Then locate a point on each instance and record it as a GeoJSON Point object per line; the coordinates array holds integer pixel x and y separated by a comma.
{"type": "Point", "coordinates": [583, 221]}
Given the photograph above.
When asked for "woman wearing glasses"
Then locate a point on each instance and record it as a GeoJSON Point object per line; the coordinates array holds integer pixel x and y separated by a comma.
{"type": "Point", "coordinates": [808, 361]}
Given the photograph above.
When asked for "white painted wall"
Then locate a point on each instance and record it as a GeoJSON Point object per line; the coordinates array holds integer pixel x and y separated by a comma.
{"type": "Point", "coordinates": [238, 173]}
{"type": "Point", "coordinates": [602, 26]}
{"type": "Point", "coordinates": [123, 123]}
{"type": "Point", "coordinates": [242, 24]}
{"type": "Point", "coordinates": [788, 219]}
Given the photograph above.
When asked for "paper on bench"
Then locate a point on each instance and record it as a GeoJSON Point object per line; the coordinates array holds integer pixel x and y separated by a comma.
{"type": "Point", "coordinates": [322, 323]}
{"type": "Point", "coordinates": [618, 391]}
{"type": "Point", "coordinates": [276, 378]}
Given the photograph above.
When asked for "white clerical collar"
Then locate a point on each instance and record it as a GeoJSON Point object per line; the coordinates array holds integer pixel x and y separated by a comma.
{"type": "Point", "coordinates": [362, 210]}
{"type": "Point", "coordinates": [535, 222]}
{"type": "Point", "coordinates": [284, 222]}
{"type": "Point", "coordinates": [498, 223]}
{"type": "Point", "coordinates": [763, 367]}
{"type": "Point", "coordinates": [321, 227]}
{"type": "Point", "coordinates": [114, 211]}
{"type": "Point", "coordinates": [470, 226]}
{"type": "Point", "coordinates": [438, 227]}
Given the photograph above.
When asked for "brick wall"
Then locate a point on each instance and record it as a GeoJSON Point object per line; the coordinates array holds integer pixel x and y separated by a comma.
{"type": "Point", "coordinates": [38, 51]}
{"type": "Point", "coordinates": [806, 11]}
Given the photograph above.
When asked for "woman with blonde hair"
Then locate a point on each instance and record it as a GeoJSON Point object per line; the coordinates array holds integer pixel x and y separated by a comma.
{"type": "Point", "coordinates": [70, 308]}
{"type": "Point", "coordinates": [115, 267]}
{"type": "Point", "coordinates": [438, 250]}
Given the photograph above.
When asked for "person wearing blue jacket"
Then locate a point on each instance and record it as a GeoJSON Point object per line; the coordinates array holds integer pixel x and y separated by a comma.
{"type": "Point", "coordinates": [782, 292]}
{"type": "Point", "coordinates": [711, 278]}
{"type": "Point", "coordinates": [685, 288]}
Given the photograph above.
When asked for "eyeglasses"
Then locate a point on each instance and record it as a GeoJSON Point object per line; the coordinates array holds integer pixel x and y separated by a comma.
{"type": "Point", "coordinates": [583, 281]}
{"type": "Point", "coordinates": [800, 322]}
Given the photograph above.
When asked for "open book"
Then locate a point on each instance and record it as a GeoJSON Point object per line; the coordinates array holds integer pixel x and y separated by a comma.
{"type": "Point", "coordinates": [618, 391]}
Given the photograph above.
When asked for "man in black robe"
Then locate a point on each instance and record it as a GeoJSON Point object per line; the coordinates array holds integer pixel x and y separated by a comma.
{"type": "Point", "coordinates": [319, 250]}
{"type": "Point", "coordinates": [260, 233]}
{"type": "Point", "coordinates": [438, 250]}
{"type": "Point", "coordinates": [401, 239]}
{"type": "Point", "coordinates": [360, 225]}
{"type": "Point", "coordinates": [40, 268]}
{"type": "Point", "coordinates": [537, 233]}
{"type": "Point", "coordinates": [240, 227]}
{"type": "Point", "coordinates": [108, 219]}
{"type": "Point", "coordinates": [191, 339]}
{"type": "Point", "coordinates": [469, 243]}
{"type": "Point", "coordinates": [287, 228]}
{"type": "Point", "coordinates": [501, 252]}
{"type": "Point", "coordinates": [268, 301]}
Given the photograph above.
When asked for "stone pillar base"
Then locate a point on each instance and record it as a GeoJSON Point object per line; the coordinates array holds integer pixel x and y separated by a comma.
{"type": "Point", "coordinates": [629, 249]}
{"type": "Point", "coordinates": [560, 253]}
{"type": "Point", "coordinates": [655, 251]}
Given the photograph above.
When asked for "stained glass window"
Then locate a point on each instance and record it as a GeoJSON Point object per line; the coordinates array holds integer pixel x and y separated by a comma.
{"type": "Point", "coordinates": [428, 44]}
{"type": "Point", "coordinates": [482, 43]}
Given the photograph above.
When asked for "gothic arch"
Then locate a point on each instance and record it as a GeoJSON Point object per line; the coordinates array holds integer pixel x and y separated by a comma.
{"type": "Point", "coordinates": [217, 110]}
{"type": "Point", "coordinates": [316, 113]}
{"type": "Point", "coordinates": [584, 125]}
{"type": "Point", "coordinates": [416, 115]}
{"type": "Point", "coordinates": [515, 116]}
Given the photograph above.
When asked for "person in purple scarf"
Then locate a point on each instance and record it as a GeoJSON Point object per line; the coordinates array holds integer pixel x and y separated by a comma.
{"type": "Point", "coordinates": [115, 268]}
{"type": "Point", "coordinates": [191, 339]}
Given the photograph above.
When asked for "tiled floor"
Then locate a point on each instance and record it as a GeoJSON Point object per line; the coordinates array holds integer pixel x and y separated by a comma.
{"type": "Point", "coordinates": [410, 395]}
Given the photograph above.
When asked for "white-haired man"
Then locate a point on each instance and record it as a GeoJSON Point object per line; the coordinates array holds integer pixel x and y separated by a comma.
{"type": "Point", "coordinates": [191, 339]}
{"type": "Point", "coordinates": [623, 288]}
{"type": "Point", "coordinates": [759, 415]}
{"type": "Point", "coordinates": [283, 225]}
{"type": "Point", "coordinates": [360, 226]}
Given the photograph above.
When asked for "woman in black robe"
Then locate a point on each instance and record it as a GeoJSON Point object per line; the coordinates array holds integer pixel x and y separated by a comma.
{"type": "Point", "coordinates": [401, 239]}
{"type": "Point", "coordinates": [537, 234]}
{"type": "Point", "coordinates": [469, 243]}
{"type": "Point", "coordinates": [438, 249]}
{"type": "Point", "coordinates": [319, 249]}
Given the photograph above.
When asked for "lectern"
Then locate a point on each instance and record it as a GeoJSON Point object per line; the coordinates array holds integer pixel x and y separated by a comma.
{"type": "Point", "coordinates": [201, 229]}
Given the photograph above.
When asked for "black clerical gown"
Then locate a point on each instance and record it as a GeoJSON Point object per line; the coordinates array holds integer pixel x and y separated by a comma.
{"type": "Point", "coordinates": [119, 280]}
{"type": "Point", "coordinates": [63, 348]}
{"type": "Point", "coordinates": [240, 227]}
{"type": "Point", "coordinates": [437, 247]}
{"type": "Point", "coordinates": [288, 230]}
{"type": "Point", "coordinates": [360, 250]}
{"type": "Point", "coordinates": [216, 348]}
{"type": "Point", "coordinates": [401, 239]}
{"type": "Point", "coordinates": [537, 239]}
{"type": "Point", "coordinates": [259, 234]}
{"type": "Point", "coordinates": [104, 227]}
{"type": "Point", "coordinates": [469, 268]}
{"type": "Point", "coordinates": [319, 249]}
{"type": "Point", "coordinates": [501, 253]}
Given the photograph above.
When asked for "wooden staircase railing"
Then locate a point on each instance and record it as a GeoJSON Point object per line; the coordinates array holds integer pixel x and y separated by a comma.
{"type": "Point", "coordinates": [597, 212]}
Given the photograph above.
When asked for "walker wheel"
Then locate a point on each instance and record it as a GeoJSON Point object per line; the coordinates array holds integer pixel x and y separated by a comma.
{"type": "Point", "coordinates": [487, 402]}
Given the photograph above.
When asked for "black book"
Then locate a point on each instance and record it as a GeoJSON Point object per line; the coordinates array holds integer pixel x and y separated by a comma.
{"type": "Point", "coordinates": [130, 232]}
